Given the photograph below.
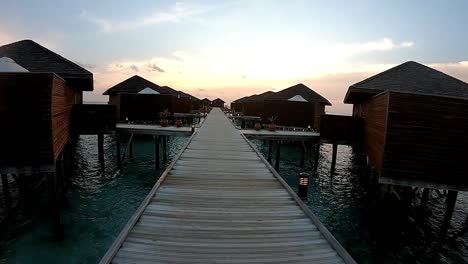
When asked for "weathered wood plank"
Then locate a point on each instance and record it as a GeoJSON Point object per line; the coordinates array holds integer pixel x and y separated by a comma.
{"type": "Point", "coordinates": [221, 203]}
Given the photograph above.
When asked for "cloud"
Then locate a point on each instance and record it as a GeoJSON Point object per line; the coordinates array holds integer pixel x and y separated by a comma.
{"type": "Point", "coordinates": [87, 66]}
{"type": "Point", "coordinates": [177, 13]}
{"type": "Point", "coordinates": [154, 67]}
{"type": "Point", "coordinates": [263, 60]}
{"type": "Point", "coordinates": [333, 86]}
{"type": "Point", "coordinates": [456, 69]}
{"type": "Point", "coordinates": [218, 71]}
{"type": "Point", "coordinates": [134, 68]}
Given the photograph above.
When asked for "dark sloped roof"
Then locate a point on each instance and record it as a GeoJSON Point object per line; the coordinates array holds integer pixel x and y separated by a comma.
{"type": "Point", "coordinates": [299, 89]}
{"type": "Point", "coordinates": [206, 100]}
{"type": "Point", "coordinates": [258, 97]}
{"type": "Point", "coordinates": [240, 100]}
{"type": "Point", "coordinates": [36, 58]}
{"type": "Point", "coordinates": [413, 77]}
{"type": "Point", "coordinates": [135, 84]}
{"type": "Point", "coordinates": [218, 100]}
{"type": "Point", "coordinates": [185, 95]}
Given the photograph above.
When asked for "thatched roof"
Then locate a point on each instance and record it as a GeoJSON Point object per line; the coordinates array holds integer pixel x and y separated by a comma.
{"type": "Point", "coordinates": [301, 91]}
{"type": "Point", "coordinates": [36, 58]}
{"type": "Point", "coordinates": [409, 77]}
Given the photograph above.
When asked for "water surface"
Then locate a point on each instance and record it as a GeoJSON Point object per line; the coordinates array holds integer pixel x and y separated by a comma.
{"type": "Point", "coordinates": [374, 229]}
{"type": "Point", "coordinates": [97, 206]}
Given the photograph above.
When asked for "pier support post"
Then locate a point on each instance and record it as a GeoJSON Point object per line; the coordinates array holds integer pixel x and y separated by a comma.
{"type": "Point", "coordinates": [303, 148]}
{"type": "Point", "coordinates": [164, 146]}
{"type": "Point", "coordinates": [278, 154]}
{"type": "Point", "coordinates": [333, 162]}
{"type": "Point", "coordinates": [130, 147]}
{"type": "Point", "coordinates": [57, 228]}
{"type": "Point", "coordinates": [270, 150]}
{"type": "Point", "coordinates": [450, 201]}
{"type": "Point", "coordinates": [6, 191]}
{"type": "Point", "coordinates": [425, 197]}
{"type": "Point", "coordinates": [303, 185]}
{"type": "Point", "coordinates": [101, 150]}
{"type": "Point", "coordinates": [156, 152]}
{"type": "Point", "coordinates": [60, 177]}
{"type": "Point", "coordinates": [117, 151]}
{"type": "Point", "coordinates": [316, 158]}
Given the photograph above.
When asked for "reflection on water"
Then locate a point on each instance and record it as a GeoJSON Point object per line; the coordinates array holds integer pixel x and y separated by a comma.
{"type": "Point", "coordinates": [97, 206]}
{"type": "Point", "coordinates": [376, 230]}
{"type": "Point", "coordinates": [373, 230]}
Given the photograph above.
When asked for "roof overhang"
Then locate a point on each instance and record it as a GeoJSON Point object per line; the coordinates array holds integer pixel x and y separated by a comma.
{"type": "Point", "coordinates": [357, 95]}
{"type": "Point", "coordinates": [82, 82]}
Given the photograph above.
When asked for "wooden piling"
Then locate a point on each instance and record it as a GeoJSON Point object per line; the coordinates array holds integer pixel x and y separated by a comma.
{"type": "Point", "coordinates": [425, 197]}
{"type": "Point", "coordinates": [6, 191]}
{"type": "Point", "coordinates": [302, 154]}
{"type": "Point", "coordinates": [101, 150]}
{"type": "Point", "coordinates": [450, 201]}
{"type": "Point", "coordinates": [60, 177]}
{"type": "Point", "coordinates": [164, 146]}
{"type": "Point", "coordinates": [130, 147]}
{"type": "Point", "coordinates": [316, 158]}
{"type": "Point", "coordinates": [278, 154]}
{"type": "Point", "coordinates": [333, 163]}
{"type": "Point", "coordinates": [270, 150]}
{"type": "Point", "coordinates": [156, 152]}
{"type": "Point", "coordinates": [54, 205]}
{"type": "Point", "coordinates": [117, 151]}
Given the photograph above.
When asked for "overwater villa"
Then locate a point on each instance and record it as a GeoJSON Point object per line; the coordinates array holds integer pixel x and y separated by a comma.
{"type": "Point", "coordinates": [205, 102]}
{"type": "Point", "coordinates": [41, 95]}
{"type": "Point", "coordinates": [252, 105]}
{"type": "Point", "coordinates": [415, 123]}
{"type": "Point", "coordinates": [39, 91]}
{"type": "Point", "coordinates": [218, 102]}
{"type": "Point", "coordinates": [139, 99]}
{"type": "Point", "coordinates": [220, 195]}
{"type": "Point", "coordinates": [296, 106]}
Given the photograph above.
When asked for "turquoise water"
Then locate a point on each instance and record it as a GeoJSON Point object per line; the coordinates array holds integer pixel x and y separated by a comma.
{"type": "Point", "coordinates": [97, 206]}
{"type": "Point", "coordinates": [372, 228]}
{"type": "Point", "coordinates": [376, 229]}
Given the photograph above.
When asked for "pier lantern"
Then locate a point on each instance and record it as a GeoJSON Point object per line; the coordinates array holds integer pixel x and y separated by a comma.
{"type": "Point", "coordinates": [303, 185]}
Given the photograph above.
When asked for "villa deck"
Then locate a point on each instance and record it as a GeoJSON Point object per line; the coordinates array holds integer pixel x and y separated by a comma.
{"type": "Point", "coordinates": [219, 201]}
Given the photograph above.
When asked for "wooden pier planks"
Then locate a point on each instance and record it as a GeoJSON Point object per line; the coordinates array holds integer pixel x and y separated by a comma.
{"type": "Point", "coordinates": [219, 202]}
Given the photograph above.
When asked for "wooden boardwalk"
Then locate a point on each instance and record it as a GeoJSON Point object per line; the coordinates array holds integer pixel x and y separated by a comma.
{"type": "Point", "coordinates": [219, 201]}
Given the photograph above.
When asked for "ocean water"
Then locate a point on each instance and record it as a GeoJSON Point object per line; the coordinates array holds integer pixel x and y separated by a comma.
{"type": "Point", "coordinates": [97, 206]}
{"type": "Point", "coordinates": [374, 229]}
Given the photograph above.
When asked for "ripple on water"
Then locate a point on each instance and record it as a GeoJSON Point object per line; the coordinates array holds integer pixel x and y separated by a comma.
{"type": "Point", "coordinates": [375, 231]}
{"type": "Point", "coordinates": [97, 207]}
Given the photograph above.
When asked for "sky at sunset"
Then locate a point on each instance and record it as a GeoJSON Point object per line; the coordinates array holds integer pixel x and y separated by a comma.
{"type": "Point", "coordinates": [230, 49]}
